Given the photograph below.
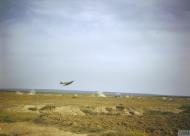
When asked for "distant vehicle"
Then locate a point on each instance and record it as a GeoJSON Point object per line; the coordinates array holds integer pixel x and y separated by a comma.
{"type": "Point", "coordinates": [66, 83]}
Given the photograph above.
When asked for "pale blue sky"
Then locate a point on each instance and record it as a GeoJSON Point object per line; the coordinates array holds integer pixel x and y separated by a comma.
{"type": "Point", "coordinates": [108, 45]}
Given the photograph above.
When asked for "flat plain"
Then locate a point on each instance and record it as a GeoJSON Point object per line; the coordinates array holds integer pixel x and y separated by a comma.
{"type": "Point", "coordinates": [54, 114]}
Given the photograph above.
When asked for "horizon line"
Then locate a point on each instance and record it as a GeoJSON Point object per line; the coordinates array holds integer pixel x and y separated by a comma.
{"type": "Point", "coordinates": [36, 89]}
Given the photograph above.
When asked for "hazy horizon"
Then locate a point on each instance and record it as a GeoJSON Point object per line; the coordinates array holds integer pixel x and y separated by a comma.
{"type": "Point", "coordinates": [117, 93]}
{"type": "Point", "coordinates": [106, 45]}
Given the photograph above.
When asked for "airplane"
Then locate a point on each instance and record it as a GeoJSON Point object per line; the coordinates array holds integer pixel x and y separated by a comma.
{"type": "Point", "coordinates": [66, 83]}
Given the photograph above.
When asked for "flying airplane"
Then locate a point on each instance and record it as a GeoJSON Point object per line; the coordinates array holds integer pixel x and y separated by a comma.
{"type": "Point", "coordinates": [66, 83]}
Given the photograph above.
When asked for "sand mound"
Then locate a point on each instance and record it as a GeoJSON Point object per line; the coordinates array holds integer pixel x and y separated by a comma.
{"type": "Point", "coordinates": [100, 110]}
{"type": "Point", "coordinates": [73, 110]}
{"type": "Point", "coordinates": [118, 109]}
{"type": "Point", "coordinates": [68, 110]}
{"type": "Point", "coordinates": [134, 111]}
{"type": "Point", "coordinates": [26, 108]}
{"type": "Point", "coordinates": [64, 110]}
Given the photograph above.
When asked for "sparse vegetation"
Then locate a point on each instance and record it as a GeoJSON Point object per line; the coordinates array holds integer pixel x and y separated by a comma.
{"type": "Point", "coordinates": [185, 107]}
{"type": "Point", "coordinates": [88, 110]}
{"type": "Point", "coordinates": [32, 108]}
{"type": "Point", "coordinates": [120, 107]}
{"type": "Point", "coordinates": [102, 116]}
{"type": "Point", "coordinates": [48, 107]}
{"type": "Point", "coordinates": [4, 135]}
{"type": "Point", "coordinates": [9, 117]}
{"type": "Point", "coordinates": [109, 133]}
{"type": "Point", "coordinates": [156, 112]}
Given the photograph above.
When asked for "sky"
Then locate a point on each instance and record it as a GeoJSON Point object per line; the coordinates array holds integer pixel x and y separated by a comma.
{"type": "Point", "coordinates": [107, 45]}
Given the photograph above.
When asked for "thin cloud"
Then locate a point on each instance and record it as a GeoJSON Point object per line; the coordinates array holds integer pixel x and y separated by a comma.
{"type": "Point", "coordinates": [105, 44]}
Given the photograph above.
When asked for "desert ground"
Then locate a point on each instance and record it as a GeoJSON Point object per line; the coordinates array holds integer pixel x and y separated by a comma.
{"type": "Point", "coordinates": [53, 114]}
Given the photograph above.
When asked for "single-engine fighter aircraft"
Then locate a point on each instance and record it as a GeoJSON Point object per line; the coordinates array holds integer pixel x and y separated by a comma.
{"type": "Point", "coordinates": [66, 83]}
